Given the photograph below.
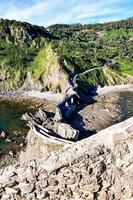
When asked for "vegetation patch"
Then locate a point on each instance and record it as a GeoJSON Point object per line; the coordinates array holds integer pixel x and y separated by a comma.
{"type": "Point", "coordinates": [126, 66]}
{"type": "Point", "coordinates": [69, 48]}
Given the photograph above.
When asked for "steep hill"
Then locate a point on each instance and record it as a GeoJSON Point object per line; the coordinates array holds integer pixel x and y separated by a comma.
{"type": "Point", "coordinates": [89, 46]}
{"type": "Point", "coordinates": [33, 57]}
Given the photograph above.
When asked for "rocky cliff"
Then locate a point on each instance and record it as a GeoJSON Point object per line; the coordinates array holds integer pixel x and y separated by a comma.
{"type": "Point", "coordinates": [99, 167]}
{"type": "Point", "coordinates": [27, 59]}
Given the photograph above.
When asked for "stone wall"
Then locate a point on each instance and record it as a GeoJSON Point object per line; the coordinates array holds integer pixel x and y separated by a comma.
{"type": "Point", "coordinates": [99, 168]}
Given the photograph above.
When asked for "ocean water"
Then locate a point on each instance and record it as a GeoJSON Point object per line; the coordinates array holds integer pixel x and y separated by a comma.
{"type": "Point", "coordinates": [12, 124]}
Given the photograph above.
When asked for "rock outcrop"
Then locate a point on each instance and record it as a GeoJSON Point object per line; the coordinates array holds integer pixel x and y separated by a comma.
{"type": "Point", "coordinates": [99, 167]}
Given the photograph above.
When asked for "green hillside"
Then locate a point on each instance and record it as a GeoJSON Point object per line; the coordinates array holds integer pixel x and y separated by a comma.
{"type": "Point", "coordinates": [52, 56]}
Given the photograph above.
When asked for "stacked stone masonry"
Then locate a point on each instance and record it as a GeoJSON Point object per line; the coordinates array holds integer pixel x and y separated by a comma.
{"type": "Point", "coordinates": [99, 168]}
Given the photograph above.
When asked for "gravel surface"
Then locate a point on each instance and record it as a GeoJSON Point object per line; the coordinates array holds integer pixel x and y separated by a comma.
{"type": "Point", "coordinates": [115, 88]}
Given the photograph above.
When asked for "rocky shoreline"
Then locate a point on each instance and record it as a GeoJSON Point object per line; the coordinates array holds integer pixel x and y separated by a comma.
{"type": "Point", "coordinates": [59, 97]}
{"type": "Point", "coordinates": [15, 136]}
{"type": "Point", "coordinates": [54, 97]}
{"type": "Point", "coordinates": [103, 112]}
{"type": "Point", "coordinates": [115, 88]}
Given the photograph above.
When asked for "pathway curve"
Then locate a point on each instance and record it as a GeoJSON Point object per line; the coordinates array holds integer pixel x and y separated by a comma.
{"type": "Point", "coordinates": [73, 84]}
{"type": "Point", "coordinates": [82, 73]}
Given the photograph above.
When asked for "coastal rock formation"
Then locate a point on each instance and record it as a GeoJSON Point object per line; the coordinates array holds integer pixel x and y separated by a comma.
{"type": "Point", "coordinates": [99, 167]}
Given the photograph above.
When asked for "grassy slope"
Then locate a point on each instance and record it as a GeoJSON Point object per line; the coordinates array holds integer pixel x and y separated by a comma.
{"type": "Point", "coordinates": [125, 63]}
{"type": "Point", "coordinates": [47, 69]}
{"type": "Point", "coordinates": [87, 49]}
{"type": "Point", "coordinates": [75, 50]}
{"type": "Point", "coordinates": [39, 64]}
{"type": "Point", "coordinates": [126, 66]}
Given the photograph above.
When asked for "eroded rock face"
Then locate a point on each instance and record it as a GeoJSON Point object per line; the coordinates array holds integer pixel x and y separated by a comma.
{"type": "Point", "coordinates": [36, 147]}
{"type": "Point", "coordinates": [99, 167]}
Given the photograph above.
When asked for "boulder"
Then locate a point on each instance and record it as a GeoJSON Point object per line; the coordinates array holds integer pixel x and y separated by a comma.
{"type": "Point", "coordinates": [66, 131]}
{"type": "Point", "coordinates": [26, 188]}
{"type": "Point", "coordinates": [3, 134]}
